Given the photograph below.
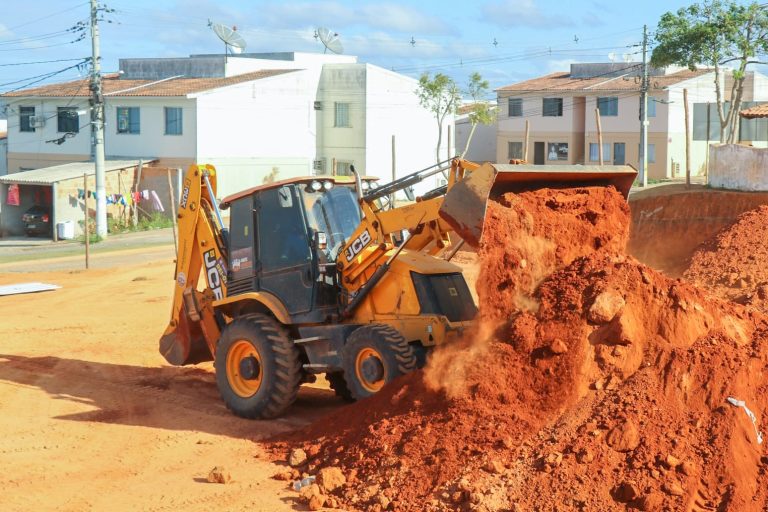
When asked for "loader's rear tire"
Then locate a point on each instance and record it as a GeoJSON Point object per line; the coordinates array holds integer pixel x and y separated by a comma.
{"type": "Point", "coordinates": [374, 355]}
{"type": "Point", "coordinates": [258, 371]}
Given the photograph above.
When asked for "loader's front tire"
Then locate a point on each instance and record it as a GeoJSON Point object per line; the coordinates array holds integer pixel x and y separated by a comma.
{"type": "Point", "coordinates": [373, 356]}
{"type": "Point", "coordinates": [258, 371]}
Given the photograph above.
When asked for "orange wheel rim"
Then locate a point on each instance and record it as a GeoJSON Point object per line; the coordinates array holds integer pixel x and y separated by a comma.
{"type": "Point", "coordinates": [242, 386]}
{"type": "Point", "coordinates": [369, 356]}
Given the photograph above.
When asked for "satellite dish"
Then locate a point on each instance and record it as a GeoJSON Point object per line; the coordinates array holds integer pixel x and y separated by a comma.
{"type": "Point", "coordinates": [330, 40]}
{"type": "Point", "coordinates": [612, 57]}
{"type": "Point", "coordinates": [233, 41]}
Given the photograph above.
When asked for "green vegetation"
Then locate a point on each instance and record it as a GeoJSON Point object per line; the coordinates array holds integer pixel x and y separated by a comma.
{"type": "Point", "coordinates": [155, 221]}
{"type": "Point", "coordinates": [439, 95]}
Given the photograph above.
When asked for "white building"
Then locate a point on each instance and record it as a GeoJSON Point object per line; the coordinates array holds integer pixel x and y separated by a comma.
{"type": "Point", "coordinates": [482, 147]}
{"type": "Point", "coordinates": [254, 116]}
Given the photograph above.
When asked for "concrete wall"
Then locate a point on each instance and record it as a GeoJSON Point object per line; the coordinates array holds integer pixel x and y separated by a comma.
{"type": "Point", "coordinates": [392, 108]}
{"type": "Point", "coordinates": [737, 167]}
{"type": "Point", "coordinates": [250, 130]}
{"type": "Point", "coordinates": [3, 156]}
{"type": "Point", "coordinates": [483, 145]}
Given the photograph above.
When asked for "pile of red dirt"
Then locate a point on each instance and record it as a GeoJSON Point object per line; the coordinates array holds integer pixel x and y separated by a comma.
{"type": "Point", "coordinates": [610, 392]}
{"type": "Point", "coordinates": [734, 264]}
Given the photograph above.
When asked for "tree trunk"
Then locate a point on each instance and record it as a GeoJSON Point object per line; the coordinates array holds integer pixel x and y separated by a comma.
{"type": "Point", "coordinates": [439, 140]}
{"type": "Point", "coordinates": [719, 98]}
{"type": "Point", "coordinates": [469, 139]}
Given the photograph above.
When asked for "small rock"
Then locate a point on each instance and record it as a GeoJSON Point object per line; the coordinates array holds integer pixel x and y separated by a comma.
{"type": "Point", "coordinates": [584, 456]}
{"type": "Point", "coordinates": [313, 450]}
{"type": "Point", "coordinates": [605, 307]}
{"type": "Point", "coordinates": [598, 384]}
{"type": "Point", "coordinates": [219, 475]}
{"type": "Point", "coordinates": [306, 492]}
{"type": "Point", "coordinates": [554, 459]}
{"type": "Point", "coordinates": [494, 466]}
{"type": "Point", "coordinates": [672, 462]}
{"type": "Point", "coordinates": [383, 501]}
{"type": "Point", "coordinates": [297, 457]}
{"type": "Point", "coordinates": [558, 347]}
{"type": "Point", "coordinates": [523, 263]}
{"type": "Point", "coordinates": [655, 474]}
{"type": "Point", "coordinates": [687, 468]}
{"type": "Point", "coordinates": [618, 351]}
{"type": "Point", "coordinates": [624, 437]}
{"type": "Point", "coordinates": [673, 489]}
{"type": "Point", "coordinates": [316, 502]}
{"type": "Point", "coordinates": [464, 485]}
{"type": "Point", "coordinates": [626, 492]}
{"type": "Point", "coordinates": [652, 502]}
{"type": "Point", "coordinates": [283, 475]}
{"type": "Point", "coordinates": [330, 479]}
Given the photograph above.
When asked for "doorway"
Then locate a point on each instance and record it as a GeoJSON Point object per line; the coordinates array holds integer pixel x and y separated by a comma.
{"type": "Point", "coordinates": [538, 153]}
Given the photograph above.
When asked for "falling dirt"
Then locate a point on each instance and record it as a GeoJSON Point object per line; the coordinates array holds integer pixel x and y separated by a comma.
{"type": "Point", "coordinates": [734, 264]}
{"type": "Point", "coordinates": [609, 393]}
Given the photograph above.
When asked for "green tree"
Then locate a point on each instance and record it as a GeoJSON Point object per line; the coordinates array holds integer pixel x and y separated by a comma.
{"type": "Point", "coordinates": [439, 95]}
{"type": "Point", "coordinates": [481, 111]}
{"type": "Point", "coordinates": [715, 34]}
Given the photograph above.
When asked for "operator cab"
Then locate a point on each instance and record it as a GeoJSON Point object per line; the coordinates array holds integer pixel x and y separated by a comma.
{"type": "Point", "coordinates": [284, 239]}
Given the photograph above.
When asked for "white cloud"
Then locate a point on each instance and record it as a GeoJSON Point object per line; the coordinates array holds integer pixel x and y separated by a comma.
{"type": "Point", "coordinates": [521, 13]}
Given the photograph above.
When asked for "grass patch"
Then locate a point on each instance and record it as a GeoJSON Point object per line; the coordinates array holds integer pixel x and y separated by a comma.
{"type": "Point", "coordinates": [154, 221]}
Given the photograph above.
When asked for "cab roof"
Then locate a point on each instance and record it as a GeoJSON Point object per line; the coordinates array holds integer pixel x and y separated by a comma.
{"type": "Point", "coordinates": [337, 180]}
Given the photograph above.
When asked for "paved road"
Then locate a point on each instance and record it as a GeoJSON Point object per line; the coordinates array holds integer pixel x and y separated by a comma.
{"type": "Point", "coordinates": [23, 254]}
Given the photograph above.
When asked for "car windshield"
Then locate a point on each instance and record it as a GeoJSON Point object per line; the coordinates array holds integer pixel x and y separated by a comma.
{"type": "Point", "coordinates": [336, 213]}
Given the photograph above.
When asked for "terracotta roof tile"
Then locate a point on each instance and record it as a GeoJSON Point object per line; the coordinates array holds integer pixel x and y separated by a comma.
{"type": "Point", "coordinates": [755, 112]}
{"type": "Point", "coordinates": [562, 81]}
{"type": "Point", "coordinates": [114, 86]}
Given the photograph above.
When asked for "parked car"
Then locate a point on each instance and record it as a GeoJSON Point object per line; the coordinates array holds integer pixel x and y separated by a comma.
{"type": "Point", "coordinates": [37, 220]}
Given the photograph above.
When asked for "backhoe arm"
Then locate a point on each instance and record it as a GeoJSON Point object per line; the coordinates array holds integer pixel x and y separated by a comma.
{"type": "Point", "coordinates": [193, 331]}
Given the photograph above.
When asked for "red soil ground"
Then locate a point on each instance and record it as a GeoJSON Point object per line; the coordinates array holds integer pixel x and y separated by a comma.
{"type": "Point", "coordinates": [734, 264]}
{"type": "Point", "coordinates": [592, 382]}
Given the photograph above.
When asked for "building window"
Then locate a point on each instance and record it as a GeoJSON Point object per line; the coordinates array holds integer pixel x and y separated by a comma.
{"type": "Point", "coordinates": [128, 120]}
{"type": "Point", "coordinates": [557, 151]}
{"type": "Point", "coordinates": [703, 112]}
{"type": "Point", "coordinates": [25, 121]}
{"type": "Point", "coordinates": [608, 106]}
{"type": "Point", "coordinates": [651, 153]}
{"type": "Point", "coordinates": [68, 120]}
{"type": "Point", "coordinates": [594, 157]}
{"type": "Point", "coordinates": [651, 107]}
{"type": "Point", "coordinates": [552, 107]}
{"type": "Point", "coordinates": [343, 168]}
{"type": "Point", "coordinates": [515, 150]}
{"type": "Point", "coordinates": [173, 120]}
{"type": "Point", "coordinates": [341, 119]}
{"type": "Point", "coordinates": [752, 130]}
{"type": "Point", "coordinates": [515, 107]}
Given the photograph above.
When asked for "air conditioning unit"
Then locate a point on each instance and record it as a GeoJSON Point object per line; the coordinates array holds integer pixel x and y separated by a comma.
{"type": "Point", "coordinates": [319, 166]}
{"type": "Point", "coordinates": [36, 121]}
{"type": "Point", "coordinates": [318, 105]}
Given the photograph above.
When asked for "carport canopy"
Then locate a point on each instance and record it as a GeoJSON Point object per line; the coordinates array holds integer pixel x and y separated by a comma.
{"type": "Point", "coordinates": [57, 173]}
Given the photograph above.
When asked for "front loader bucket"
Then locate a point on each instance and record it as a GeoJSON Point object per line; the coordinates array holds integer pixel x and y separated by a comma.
{"type": "Point", "coordinates": [465, 203]}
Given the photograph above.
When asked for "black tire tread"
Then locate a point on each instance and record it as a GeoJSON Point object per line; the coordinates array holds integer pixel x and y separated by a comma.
{"type": "Point", "coordinates": [287, 363]}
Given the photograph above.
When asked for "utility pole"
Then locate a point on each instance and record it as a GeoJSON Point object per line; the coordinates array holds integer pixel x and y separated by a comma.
{"type": "Point", "coordinates": [97, 124]}
{"type": "Point", "coordinates": [644, 111]}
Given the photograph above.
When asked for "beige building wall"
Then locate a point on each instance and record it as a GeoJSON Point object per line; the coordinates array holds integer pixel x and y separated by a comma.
{"type": "Point", "coordinates": [26, 161]}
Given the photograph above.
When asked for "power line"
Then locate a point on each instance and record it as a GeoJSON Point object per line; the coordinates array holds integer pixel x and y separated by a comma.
{"type": "Point", "coordinates": [41, 62]}
{"type": "Point", "coordinates": [47, 16]}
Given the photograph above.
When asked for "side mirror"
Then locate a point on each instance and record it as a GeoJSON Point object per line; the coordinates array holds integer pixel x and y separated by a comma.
{"type": "Point", "coordinates": [409, 193]}
{"type": "Point", "coordinates": [321, 240]}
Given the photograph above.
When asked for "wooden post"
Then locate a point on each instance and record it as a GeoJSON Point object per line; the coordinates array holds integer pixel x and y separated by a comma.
{"type": "Point", "coordinates": [449, 143]}
{"type": "Point", "coordinates": [687, 142]}
{"type": "Point", "coordinates": [599, 136]}
{"type": "Point", "coordinates": [85, 222]}
{"type": "Point", "coordinates": [136, 189]}
{"type": "Point", "coordinates": [525, 143]}
{"type": "Point", "coordinates": [394, 173]}
{"type": "Point", "coordinates": [333, 166]}
{"type": "Point", "coordinates": [173, 211]}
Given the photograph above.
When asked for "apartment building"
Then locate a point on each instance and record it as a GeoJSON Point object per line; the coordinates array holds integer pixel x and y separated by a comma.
{"type": "Point", "coordinates": [254, 116]}
{"type": "Point", "coordinates": [560, 109]}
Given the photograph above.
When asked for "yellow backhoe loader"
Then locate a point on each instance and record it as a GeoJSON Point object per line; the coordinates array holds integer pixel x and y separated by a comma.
{"type": "Point", "coordinates": [324, 275]}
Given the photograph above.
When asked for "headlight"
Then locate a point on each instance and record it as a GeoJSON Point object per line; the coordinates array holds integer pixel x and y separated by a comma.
{"type": "Point", "coordinates": [374, 184]}
{"type": "Point", "coordinates": [366, 185]}
{"type": "Point", "coordinates": [316, 186]}
{"type": "Point", "coordinates": [327, 185]}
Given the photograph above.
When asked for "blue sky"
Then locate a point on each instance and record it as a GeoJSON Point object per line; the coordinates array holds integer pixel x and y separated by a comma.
{"type": "Point", "coordinates": [533, 37]}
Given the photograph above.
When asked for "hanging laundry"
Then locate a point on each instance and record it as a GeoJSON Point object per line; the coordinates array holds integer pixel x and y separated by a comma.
{"type": "Point", "coordinates": [156, 204]}
{"type": "Point", "coordinates": [145, 194]}
{"type": "Point", "coordinates": [80, 193]}
{"type": "Point", "coordinates": [13, 195]}
{"type": "Point", "coordinates": [48, 195]}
